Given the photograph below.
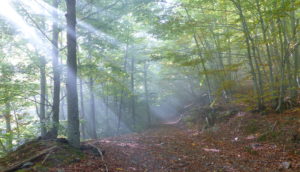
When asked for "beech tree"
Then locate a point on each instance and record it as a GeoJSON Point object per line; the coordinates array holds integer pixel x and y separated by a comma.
{"type": "Point", "coordinates": [72, 96]}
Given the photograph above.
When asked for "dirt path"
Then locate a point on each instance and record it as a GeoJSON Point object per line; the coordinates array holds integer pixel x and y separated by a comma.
{"type": "Point", "coordinates": [171, 148]}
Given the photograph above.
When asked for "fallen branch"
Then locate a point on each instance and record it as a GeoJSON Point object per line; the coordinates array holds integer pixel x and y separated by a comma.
{"type": "Point", "coordinates": [46, 157]}
{"type": "Point", "coordinates": [274, 125]}
{"type": "Point", "coordinates": [101, 154]}
{"type": "Point", "coordinates": [19, 164]}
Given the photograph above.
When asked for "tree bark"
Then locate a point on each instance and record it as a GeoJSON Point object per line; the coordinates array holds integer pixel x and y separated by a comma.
{"type": "Point", "coordinates": [17, 125]}
{"type": "Point", "coordinates": [132, 93]}
{"type": "Point", "coordinates": [8, 126]}
{"type": "Point", "coordinates": [72, 96]}
{"type": "Point", "coordinates": [296, 56]}
{"type": "Point", "coordinates": [123, 89]}
{"type": "Point", "coordinates": [56, 73]}
{"type": "Point", "coordinates": [147, 93]}
{"type": "Point", "coordinates": [249, 56]}
{"type": "Point", "coordinates": [42, 113]}
{"type": "Point", "coordinates": [269, 59]}
{"type": "Point", "coordinates": [92, 106]}
{"type": "Point", "coordinates": [82, 109]}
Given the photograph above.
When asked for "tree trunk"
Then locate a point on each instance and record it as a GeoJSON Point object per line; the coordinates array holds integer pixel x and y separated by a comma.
{"type": "Point", "coordinates": [92, 106]}
{"type": "Point", "coordinates": [269, 59]}
{"type": "Point", "coordinates": [107, 108]}
{"type": "Point", "coordinates": [132, 93]}
{"type": "Point", "coordinates": [72, 97]}
{"type": "Point", "coordinates": [123, 89]}
{"type": "Point", "coordinates": [284, 56]}
{"type": "Point", "coordinates": [294, 24]}
{"type": "Point", "coordinates": [56, 73]}
{"type": "Point", "coordinates": [195, 35]}
{"type": "Point", "coordinates": [147, 93]}
{"type": "Point", "coordinates": [8, 127]}
{"type": "Point", "coordinates": [17, 125]}
{"type": "Point", "coordinates": [249, 56]}
{"type": "Point", "coordinates": [82, 109]}
{"type": "Point", "coordinates": [204, 68]}
{"type": "Point", "coordinates": [42, 113]}
{"type": "Point", "coordinates": [257, 60]}
{"type": "Point", "coordinates": [62, 106]}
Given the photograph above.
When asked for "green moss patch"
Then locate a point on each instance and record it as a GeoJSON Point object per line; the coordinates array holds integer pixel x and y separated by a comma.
{"type": "Point", "coordinates": [39, 155]}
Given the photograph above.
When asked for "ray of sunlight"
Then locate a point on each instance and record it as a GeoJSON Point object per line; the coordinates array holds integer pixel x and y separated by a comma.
{"type": "Point", "coordinates": [28, 32]}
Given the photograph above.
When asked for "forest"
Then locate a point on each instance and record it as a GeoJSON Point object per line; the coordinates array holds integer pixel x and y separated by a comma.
{"type": "Point", "coordinates": [149, 85]}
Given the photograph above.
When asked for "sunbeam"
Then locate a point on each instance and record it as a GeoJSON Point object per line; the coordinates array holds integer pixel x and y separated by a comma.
{"type": "Point", "coordinates": [28, 32]}
{"type": "Point", "coordinates": [49, 9]}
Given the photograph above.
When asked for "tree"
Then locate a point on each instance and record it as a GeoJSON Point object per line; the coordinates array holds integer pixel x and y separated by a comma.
{"type": "Point", "coordinates": [42, 112]}
{"type": "Point", "coordinates": [56, 72]}
{"type": "Point", "coordinates": [72, 96]}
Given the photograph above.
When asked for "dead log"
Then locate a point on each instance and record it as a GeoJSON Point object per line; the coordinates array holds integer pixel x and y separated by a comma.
{"type": "Point", "coordinates": [19, 164]}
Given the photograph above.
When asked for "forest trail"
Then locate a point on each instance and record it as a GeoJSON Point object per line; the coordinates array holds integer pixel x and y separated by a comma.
{"type": "Point", "coordinates": [172, 147]}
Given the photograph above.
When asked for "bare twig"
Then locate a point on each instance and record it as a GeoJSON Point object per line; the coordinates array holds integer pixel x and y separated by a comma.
{"type": "Point", "coordinates": [100, 10]}
{"type": "Point", "coordinates": [101, 154]}
{"type": "Point", "coordinates": [274, 125]}
{"type": "Point", "coordinates": [37, 25]}
{"type": "Point", "coordinates": [46, 157]}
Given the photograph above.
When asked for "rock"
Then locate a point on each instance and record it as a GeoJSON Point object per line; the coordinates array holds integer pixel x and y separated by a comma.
{"type": "Point", "coordinates": [27, 164]}
{"type": "Point", "coordinates": [241, 114]}
{"type": "Point", "coordinates": [211, 150]}
{"type": "Point", "coordinates": [251, 137]}
{"type": "Point", "coordinates": [285, 165]}
{"type": "Point", "coordinates": [255, 145]}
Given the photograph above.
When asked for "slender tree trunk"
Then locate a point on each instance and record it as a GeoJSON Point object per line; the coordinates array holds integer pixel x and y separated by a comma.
{"type": "Point", "coordinates": [133, 92]}
{"type": "Point", "coordinates": [56, 73]}
{"type": "Point", "coordinates": [257, 60]}
{"type": "Point", "coordinates": [17, 125]}
{"type": "Point", "coordinates": [92, 106]}
{"type": "Point", "coordinates": [62, 106]}
{"type": "Point", "coordinates": [122, 91]}
{"type": "Point", "coordinates": [269, 59]}
{"type": "Point", "coordinates": [250, 60]}
{"type": "Point", "coordinates": [195, 35]}
{"type": "Point", "coordinates": [82, 108]}
{"type": "Point", "coordinates": [224, 77]}
{"type": "Point", "coordinates": [42, 113]}
{"type": "Point", "coordinates": [147, 93]}
{"type": "Point", "coordinates": [120, 112]}
{"type": "Point", "coordinates": [204, 69]}
{"type": "Point", "coordinates": [296, 54]}
{"type": "Point", "coordinates": [284, 56]}
{"type": "Point", "coordinates": [72, 96]}
{"type": "Point", "coordinates": [107, 109]}
{"type": "Point", "coordinates": [8, 126]}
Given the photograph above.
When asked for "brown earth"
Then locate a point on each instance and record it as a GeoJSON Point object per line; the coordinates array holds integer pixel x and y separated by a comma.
{"type": "Point", "coordinates": [246, 142]}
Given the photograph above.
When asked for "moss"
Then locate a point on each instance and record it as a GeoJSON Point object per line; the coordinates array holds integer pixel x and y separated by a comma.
{"type": "Point", "coordinates": [250, 150]}
{"type": "Point", "coordinates": [63, 154]}
{"type": "Point", "coordinates": [274, 136]}
{"type": "Point", "coordinates": [252, 127]}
